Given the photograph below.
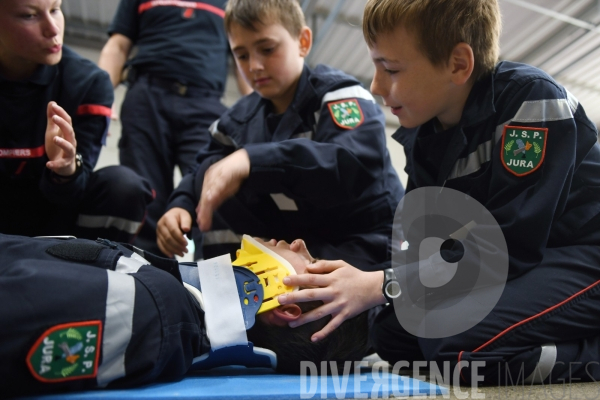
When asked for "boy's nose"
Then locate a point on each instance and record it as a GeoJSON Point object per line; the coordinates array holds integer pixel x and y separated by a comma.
{"type": "Point", "coordinates": [377, 87]}
{"type": "Point", "coordinates": [255, 64]}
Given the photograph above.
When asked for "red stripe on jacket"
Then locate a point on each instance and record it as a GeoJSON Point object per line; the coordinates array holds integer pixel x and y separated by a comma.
{"type": "Point", "coordinates": [94, 109]}
{"type": "Point", "coordinates": [23, 153]}
{"type": "Point", "coordinates": [182, 4]}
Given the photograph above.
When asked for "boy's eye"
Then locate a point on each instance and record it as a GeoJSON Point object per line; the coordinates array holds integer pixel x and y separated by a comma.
{"type": "Point", "coordinates": [242, 56]}
{"type": "Point", "coordinates": [268, 50]}
{"type": "Point", "coordinates": [390, 71]}
{"type": "Point", "coordinates": [27, 16]}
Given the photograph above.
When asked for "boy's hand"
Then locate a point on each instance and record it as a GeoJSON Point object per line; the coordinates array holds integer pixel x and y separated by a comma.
{"type": "Point", "coordinates": [345, 290]}
{"type": "Point", "coordinates": [171, 230]}
{"type": "Point", "coordinates": [221, 181]}
{"type": "Point", "coordinates": [61, 146]}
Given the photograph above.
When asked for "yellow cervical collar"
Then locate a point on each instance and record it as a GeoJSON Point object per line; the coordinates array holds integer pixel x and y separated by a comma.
{"type": "Point", "coordinates": [269, 267]}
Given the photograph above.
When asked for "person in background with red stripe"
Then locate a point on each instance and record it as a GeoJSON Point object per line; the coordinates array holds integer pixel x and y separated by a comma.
{"type": "Point", "coordinates": [55, 108]}
{"type": "Point", "coordinates": [175, 83]}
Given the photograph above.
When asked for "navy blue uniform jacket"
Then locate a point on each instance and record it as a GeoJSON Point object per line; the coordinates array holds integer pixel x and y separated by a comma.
{"type": "Point", "coordinates": [86, 94]}
{"type": "Point", "coordinates": [340, 180]}
{"type": "Point", "coordinates": [555, 205]}
{"type": "Point", "coordinates": [177, 40]}
{"type": "Point", "coordinates": [148, 326]}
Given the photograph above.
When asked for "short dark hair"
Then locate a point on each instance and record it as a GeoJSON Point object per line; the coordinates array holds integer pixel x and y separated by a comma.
{"type": "Point", "coordinates": [349, 342]}
{"type": "Point", "coordinates": [249, 13]}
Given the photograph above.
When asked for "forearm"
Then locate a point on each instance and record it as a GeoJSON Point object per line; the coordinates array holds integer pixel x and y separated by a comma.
{"type": "Point", "coordinates": [113, 57]}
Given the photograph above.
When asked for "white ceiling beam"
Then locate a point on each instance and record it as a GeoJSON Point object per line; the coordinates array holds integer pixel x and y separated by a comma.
{"type": "Point", "coordinates": [556, 15]}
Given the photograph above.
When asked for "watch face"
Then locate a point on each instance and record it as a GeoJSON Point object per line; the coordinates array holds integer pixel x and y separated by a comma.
{"type": "Point", "coordinates": [392, 289]}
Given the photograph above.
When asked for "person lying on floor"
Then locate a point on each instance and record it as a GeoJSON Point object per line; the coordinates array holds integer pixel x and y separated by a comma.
{"type": "Point", "coordinates": [78, 314]}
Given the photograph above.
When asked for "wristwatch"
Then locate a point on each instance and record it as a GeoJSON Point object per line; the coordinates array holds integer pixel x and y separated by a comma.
{"type": "Point", "coordinates": [391, 288]}
{"type": "Point", "coordinates": [78, 163]}
{"type": "Point", "coordinates": [66, 179]}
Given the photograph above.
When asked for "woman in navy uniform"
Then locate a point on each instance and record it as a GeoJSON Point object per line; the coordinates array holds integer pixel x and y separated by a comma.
{"type": "Point", "coordinates": [53, 121]}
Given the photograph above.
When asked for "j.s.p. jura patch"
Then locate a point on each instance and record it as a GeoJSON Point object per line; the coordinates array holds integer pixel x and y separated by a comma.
{"type": "Point", "coordinates": [523, 149]}
{"type": "Point", "coordinates": [347, 113]}
{"type": "Point", "coordinates": [66, 352]}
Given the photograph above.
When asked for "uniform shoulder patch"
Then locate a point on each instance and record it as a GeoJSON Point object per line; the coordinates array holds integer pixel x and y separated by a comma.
{"type": "Point", "coordinates": [66, 352]}
{"type": "Point", "coordinates": [523, 149]}
{"type": "Point", "coordinates": [346, 113]}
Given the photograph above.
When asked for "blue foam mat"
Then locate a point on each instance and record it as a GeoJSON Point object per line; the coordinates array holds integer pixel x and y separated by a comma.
{"type": "Point", "coordinates": [229, 383]}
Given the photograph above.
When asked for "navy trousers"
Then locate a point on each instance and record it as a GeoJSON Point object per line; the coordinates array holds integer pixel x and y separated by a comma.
{"type": "Point", "coordinates": [113, 207]}
{"type": "Point", "coordinates": [544, 329]}
{"type": "Point", "coordinates": [164, 127]}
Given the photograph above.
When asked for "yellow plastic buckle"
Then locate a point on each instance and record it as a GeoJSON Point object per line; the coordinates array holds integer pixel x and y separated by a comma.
{"type": "Point", "coordinates": [270, 268]}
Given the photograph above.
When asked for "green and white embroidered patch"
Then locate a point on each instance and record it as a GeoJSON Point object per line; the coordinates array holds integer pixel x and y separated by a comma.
{"type": "Point", "coordinates": [66, 352]}
{"type": "Point", "coordinates": [523, 149]}
{"type": "Point", "coordinates": [346, 114]}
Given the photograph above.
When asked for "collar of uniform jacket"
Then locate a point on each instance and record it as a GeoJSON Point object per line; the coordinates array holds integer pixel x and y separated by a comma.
{"type": "Point", "coordinates": [43, 76]}
{"type": "Point", "coordinates": [243, 111]}
{"type": "Point", "coordinates": [312, 86]}
{"type": "Point", "coordinates": [479, 106]}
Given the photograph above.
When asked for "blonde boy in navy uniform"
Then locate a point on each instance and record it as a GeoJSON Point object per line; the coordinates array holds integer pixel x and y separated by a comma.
{"type": "Point", "coordinates": [509, 136]}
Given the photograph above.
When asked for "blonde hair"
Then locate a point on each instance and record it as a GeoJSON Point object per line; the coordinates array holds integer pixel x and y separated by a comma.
{"type": "Point", "coordinates": [248, 13]}
{"type": "Point", "coordinates": [439, 25]}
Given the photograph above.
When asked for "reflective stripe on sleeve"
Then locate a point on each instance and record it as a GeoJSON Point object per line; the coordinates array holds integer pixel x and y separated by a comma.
{"type": "Point", "coordinates": [107, 221]}
{"type": "Point", "coordinates": [118, 325]}
{"type": "Point", "coordinates": [543, 111]}
{"type": "Point", "coordinates": [573, 102]}
{"type": "Point", "coordinates": [472, 163]}
{"type": "Point", "coordinates": [221, 237]}
{"type": "Point", "coordinates": [348, 93]}
{"type": "Point", "coordinates": [544, 366]}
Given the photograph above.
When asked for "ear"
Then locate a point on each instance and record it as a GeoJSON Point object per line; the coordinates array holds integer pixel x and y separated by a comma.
{"type": "Point", "coordinates": [461, 63]}
{"type": "Point", "coordinates": [305, 41]}
{"type": "Point", "coordinates": [282, 315]}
